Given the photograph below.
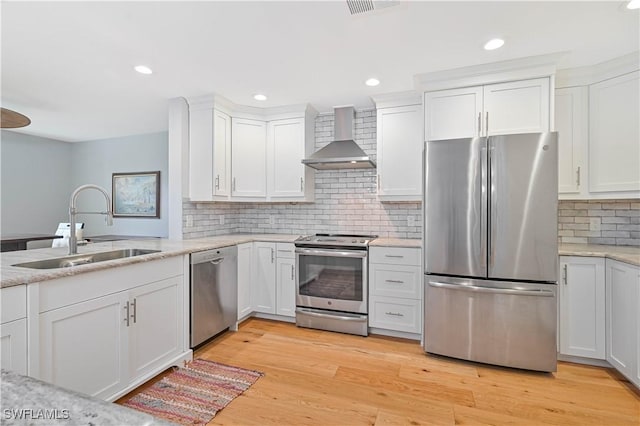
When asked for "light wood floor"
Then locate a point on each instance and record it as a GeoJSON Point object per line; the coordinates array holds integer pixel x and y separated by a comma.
{"type": "Point", "coordinates": [324, 378]}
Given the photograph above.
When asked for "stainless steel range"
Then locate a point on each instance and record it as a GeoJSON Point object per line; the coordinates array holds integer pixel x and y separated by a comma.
{"type": "Point", "coordinates": [332, 282]}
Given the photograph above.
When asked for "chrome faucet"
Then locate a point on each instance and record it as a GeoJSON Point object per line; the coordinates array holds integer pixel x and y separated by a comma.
{"type": "Point", "coordinates": [73, 240]}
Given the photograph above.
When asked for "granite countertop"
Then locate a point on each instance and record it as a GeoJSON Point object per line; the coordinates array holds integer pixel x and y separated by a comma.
{"type": "Point", "coordinates": [27, 401]}
{"type": "Point", "coordinates": [12, 275]}
{"type": "Point", "coordinates": [625, 254]}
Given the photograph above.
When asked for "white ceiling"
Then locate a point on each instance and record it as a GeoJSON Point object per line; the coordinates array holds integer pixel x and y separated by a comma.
{"type": "Point", "coordinates": [69, 65]}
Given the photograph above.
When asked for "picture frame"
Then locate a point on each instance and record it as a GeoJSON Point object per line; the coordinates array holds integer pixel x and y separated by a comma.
{"type": "Point", "coordinates": [136, 194]}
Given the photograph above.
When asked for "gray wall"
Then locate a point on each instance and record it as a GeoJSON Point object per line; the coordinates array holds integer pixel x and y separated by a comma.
{"type": "Point", "coordinates": [35, 178]}
{"type": "Point", "coordinates": [38, 176]}
{"type": "Point", "coordinates": [95, 161]}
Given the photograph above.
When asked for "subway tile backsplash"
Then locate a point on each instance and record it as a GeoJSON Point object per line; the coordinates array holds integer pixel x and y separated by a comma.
{"type": "Point", "coordinates": [613, 222]}
{"type": "Point", "coordinates": [346, 202]}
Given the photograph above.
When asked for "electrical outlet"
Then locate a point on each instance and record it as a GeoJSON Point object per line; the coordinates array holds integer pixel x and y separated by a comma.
{"type": "Point", "coordinates": [189, 221]}
{"type": "Point", "coordinates": [411, 221]}
{"type": "Point", "coordinates": [221, 219]}
{"type": "Point", "coordinates": [594, 224]}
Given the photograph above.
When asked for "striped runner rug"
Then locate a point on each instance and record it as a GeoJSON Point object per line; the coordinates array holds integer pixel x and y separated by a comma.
{"type": "Point", "coordinates": [194, 394]}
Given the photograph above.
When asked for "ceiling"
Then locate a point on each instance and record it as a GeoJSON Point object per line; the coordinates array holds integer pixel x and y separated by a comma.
{"type": "Point", "coordinates": [69, 65]}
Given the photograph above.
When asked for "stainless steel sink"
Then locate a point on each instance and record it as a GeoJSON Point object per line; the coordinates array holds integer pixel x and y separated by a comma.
{"type": "Point", "coordinates": [84, 259]}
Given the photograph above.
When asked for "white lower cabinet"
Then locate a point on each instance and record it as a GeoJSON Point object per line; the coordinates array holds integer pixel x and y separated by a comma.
{"type": "Point", "coordinates": [273, 281]}
{"type": "Point", "coordinates": [245, 262]}
{"type": "Point", "coordinates": [13, 329]}
{"type": "Point", "coordinates": [108, 337]}
{"type": "Point", "coordinates": [582, 307]}
{"type": "Point", "coordinates": [395, 291]}
{"type": "Point", "coordinates": [623, 318]}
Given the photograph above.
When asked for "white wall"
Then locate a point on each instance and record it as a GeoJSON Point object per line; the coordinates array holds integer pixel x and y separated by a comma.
{"type": "Point", "coordinates": [95, 161]}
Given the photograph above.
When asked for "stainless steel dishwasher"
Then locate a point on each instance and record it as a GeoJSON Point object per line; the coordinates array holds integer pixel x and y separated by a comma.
{"type": "Point", "coordinates": [214, 292]}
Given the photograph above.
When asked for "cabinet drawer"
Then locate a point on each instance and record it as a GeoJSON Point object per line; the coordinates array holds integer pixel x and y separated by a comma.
{"type": "Point", "coordinates": [14, 303]}
{"type": "Point", "coordinates": [395, 314]}
{"type": "Point", "coordinates": [285, 251]}
{"type": "Point", "coordinates": [395, 255]}
{"type": "Point", "coordinates": [395, 281]}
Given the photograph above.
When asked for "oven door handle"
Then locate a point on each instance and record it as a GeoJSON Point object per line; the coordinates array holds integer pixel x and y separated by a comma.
{"type": "Point", "coordinates": [332, 253]}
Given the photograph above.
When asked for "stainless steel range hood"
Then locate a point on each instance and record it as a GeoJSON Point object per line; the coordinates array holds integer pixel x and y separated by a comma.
{"type": "Point", "coordinates": [343, 152]}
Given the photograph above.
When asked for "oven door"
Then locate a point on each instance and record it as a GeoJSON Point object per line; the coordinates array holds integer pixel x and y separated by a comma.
{"type": "Point", "coordinates": [334, 279]}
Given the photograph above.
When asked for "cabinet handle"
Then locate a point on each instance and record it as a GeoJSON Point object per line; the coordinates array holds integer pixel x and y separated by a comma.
{"type": "Point", "coordinates": [218, 182]}
{"type": "Point", "coordinates": [134, 315]}
{"type": "Point", "coordinates": [393, 255]}
{"type": "Point", "coordinates": [394, 314]}
{"type": "Point", "coordinates": [301, 184]}
{"type": "Point", "coordinates": [234, 184]}
{"type": "Point", "coordinates": [272, 255]}
{"type": "Point", "coordinates": [479, 123]}
{"type": "Point", "coordinates": [486, 126]}
{"type": "Point", "coordinates": [126, 308]}
{"type": "Point", "coordinates": [578, 176]}
{"type": "Point", "coordinates": [292, 273]}
{"type": "Point", "coordinates": [394, 281]}
{"type": "Point", "coordinates": [564, 274]}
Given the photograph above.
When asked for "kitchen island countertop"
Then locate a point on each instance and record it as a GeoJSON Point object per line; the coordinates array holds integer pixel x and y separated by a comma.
{"type": "Point", "coordinates": [32, 402]}
{"type": "Point", "coordinates": [396, 242]}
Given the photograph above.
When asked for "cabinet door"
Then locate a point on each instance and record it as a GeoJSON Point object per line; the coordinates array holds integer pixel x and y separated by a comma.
{"type": "Point", "coordinates": [452, 114]}
{"type": "Point", "coordinates": [248, 158]}
{"type": "Point", "coordinates": [614, 135]}
{"type": "Point", "coordinates": [400, 153]}
{"type": "Point", "coordinates": [571, 119]}
{"type": "Point", "coordinates": [200, 153]}
{"type": "Point", "coordinates": [285, 142]}
{"type": "Point", "coordinates": [622, 284]}
{"type": "Point", "coordinates": [516, 107]}
{"type": "Point", "coordinates": [13, 345]}
{"type": "Point", "coordinates": [221, 153]}
{"type": "Point", "coordinates": [582, 307]}
{"type": "Point", "coordinates": [155, 324]}
{"type": "Point", "coordinates": [245, 262]}
{"type": "Point", "coordinates": [84, 347]}
{"type": "Point", "coordinates": [264, 278]}
{"type": "Point", "coordinates": [286, 287]}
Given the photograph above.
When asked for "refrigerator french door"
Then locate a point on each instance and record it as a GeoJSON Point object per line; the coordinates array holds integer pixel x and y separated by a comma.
{"type": "Point", "coordinates": [491, 254]}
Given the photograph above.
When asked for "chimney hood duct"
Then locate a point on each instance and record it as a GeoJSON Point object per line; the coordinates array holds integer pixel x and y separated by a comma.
{"type": "Point", "coordinates": [343, 152]}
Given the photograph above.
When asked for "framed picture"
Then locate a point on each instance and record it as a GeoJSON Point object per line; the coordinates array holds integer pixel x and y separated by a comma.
{"type": "Point", "coordinates": [136, 194]}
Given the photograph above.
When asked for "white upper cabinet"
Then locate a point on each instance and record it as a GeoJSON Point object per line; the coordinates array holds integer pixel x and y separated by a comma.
{"type": "Point", "coordinates": [614, 135]}
{"type": "Point", "coordinates": [287, 144]}
{"type": "Point", "coordinates": [493, 109]}
{"type": "Point", "coordinates": [399, 156]}
{"type": "Point", "coordinates": [221, 154]}
{"type": "Point", "coordinates": [453, 114]}
{"type": "Point", "coordinates": [248, 158]}
{"type": "Point", "coordinates": [517, 107]}
{"type": "Point", "coordinates": [571, 125]}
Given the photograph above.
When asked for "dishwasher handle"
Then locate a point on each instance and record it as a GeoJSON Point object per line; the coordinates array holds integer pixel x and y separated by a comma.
{"type": "Point", "coordinates": [217, 261]}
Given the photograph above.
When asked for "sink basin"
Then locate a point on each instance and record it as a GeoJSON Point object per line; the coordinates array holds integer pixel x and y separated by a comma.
{"type": "Point", "coordinates": [84, 259]}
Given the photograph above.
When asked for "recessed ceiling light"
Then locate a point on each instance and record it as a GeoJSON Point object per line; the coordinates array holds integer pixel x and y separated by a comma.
{"type": "Point", "coordinates": [633, 4]}
{"type": "Point", "coordinates": [372, 82]}
{"type": "Point", "coordinates": [493, 44]}
{"type": "Point", "coordinates": [142, 69]}
{"type": "Point", "coordinates": [260, 97]}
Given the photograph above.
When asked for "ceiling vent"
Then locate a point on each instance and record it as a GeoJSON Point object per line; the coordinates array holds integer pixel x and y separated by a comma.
{"type": "Point", "coordinates": [357, 7]}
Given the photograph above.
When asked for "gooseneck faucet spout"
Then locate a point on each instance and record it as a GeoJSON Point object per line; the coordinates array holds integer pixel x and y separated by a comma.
{"type": "Point", "coordinates": [73, 240]}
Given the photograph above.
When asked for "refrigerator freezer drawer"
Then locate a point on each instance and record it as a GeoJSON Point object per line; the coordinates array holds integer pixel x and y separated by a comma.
{"type": "Point", "coordinates": [512, 324]}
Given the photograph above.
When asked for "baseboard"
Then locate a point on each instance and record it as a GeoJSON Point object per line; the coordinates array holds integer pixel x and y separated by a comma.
{"type": "Point", "coordinates": [586, 361]}
{"type": "Point", "coordinates": [274, 317]}
{"type": "Point", "coordinates": [394, 333]}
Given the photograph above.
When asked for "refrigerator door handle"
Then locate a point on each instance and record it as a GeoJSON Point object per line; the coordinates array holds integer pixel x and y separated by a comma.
{"type": "Point", "coordinates": [491, 206]}
{"type": "Point", "coordinates": [483, 204]}
{"type": "Point", "coordinates": [492, 290]}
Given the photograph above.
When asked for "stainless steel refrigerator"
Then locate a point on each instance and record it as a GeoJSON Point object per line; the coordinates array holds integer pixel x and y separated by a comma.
{"type": "Point", "coordinates": [491, 249]}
